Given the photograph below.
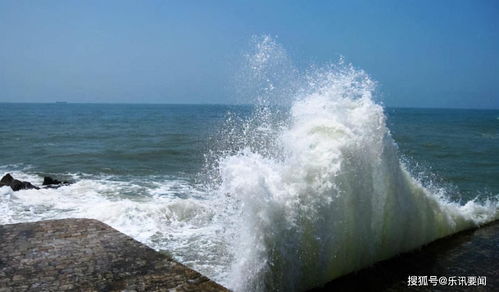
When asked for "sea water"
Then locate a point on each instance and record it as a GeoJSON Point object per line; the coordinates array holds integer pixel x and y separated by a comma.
{"type": "Point", "coordinates": [280, 195]}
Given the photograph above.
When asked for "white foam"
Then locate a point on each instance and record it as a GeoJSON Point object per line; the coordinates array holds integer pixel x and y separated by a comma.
{"type": "Point", "coordinates": [337, 201]}
{"type": "Point", "coordinates": [313, 196]}
{"type": "Point", "coordinates": [166, 215]}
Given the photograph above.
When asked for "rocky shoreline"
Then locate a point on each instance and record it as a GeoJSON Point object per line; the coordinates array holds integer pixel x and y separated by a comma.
{"type": "Point", "coordinates": [87, 255]}
{"type": "Point", "coordinates": [17, 185]}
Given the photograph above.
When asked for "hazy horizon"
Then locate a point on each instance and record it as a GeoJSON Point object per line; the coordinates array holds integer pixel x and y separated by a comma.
{"type": "Point", "coordinates": [421, 54]}
{"type": "Point", "coordinates": [226, 104]}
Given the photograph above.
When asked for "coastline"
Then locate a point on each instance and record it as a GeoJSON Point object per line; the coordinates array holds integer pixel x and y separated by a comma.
{"type": "Point", "coordinates": [88, 255]}
{"type": "Point", "coordinates": [469, 253]}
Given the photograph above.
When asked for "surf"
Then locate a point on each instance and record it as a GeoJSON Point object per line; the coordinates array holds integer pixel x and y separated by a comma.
{"type": "Point", "coordinates": [304, 185]}
{"type": "Point", "coordinates": [323, 192]}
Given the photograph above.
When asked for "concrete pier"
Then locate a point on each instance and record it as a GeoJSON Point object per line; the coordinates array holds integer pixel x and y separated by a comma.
{"type": "Point", "coordinates": [87, 255]}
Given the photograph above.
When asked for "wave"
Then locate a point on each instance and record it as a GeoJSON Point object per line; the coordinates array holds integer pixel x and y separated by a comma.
{"type": "Point", "coordinates": [336, 198]}
{"type": "Point", "coordinates": [306, 189]}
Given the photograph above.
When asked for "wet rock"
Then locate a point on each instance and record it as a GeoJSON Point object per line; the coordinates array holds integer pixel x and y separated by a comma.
{"type": "Point", "coordinates": [15, 184]}
{"type": "Point", "coordinates": [6, 180]}
{"type": "Point", "coordinates": [50, 182]}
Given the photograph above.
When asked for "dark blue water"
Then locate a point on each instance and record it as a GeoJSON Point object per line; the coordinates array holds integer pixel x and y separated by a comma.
{"type": "Point", "coordinates": [456, 148]}
{"type": "Point", "coordinates": [452, 146]}
{"type": "Point", "coordinates": [103, 138]}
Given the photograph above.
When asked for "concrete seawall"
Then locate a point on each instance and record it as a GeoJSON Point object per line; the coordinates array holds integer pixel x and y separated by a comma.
{"type": "Point", "coordinates": [470, 254]}
{"type": "Point", "coordinates": [87, 255]}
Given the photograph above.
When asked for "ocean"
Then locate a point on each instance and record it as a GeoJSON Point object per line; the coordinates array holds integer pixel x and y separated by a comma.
{"type": "Point", "coordinates": [310, 181]}
{"type": "Point", "coordinates": [143, 169]}
{"type": "Point", "coordinates": [454, 147]}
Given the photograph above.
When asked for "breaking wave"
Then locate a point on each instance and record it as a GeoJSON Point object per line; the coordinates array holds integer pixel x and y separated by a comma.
{"type": "Point", "coordinates": [305, 189]}
{"type": "Point", "coordinates": [323, 192]}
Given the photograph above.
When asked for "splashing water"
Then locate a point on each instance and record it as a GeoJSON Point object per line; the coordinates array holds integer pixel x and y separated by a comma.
{"type": "Point", "coordinates": [307, 188]}
{"type": "Point", "coordinates": [336, 198]}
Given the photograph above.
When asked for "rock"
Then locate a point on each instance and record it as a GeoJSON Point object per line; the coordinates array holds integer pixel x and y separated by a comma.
{"type": "Point", "coordinates": [16, 185]}
{"type": "Point", "coordinates": [6, 180]}
{"type": "Point", "coordinates": [49, 182]}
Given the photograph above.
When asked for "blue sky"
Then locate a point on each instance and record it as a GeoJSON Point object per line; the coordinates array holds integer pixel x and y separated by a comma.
{"type": "Point", "coordinates": [422, 53]}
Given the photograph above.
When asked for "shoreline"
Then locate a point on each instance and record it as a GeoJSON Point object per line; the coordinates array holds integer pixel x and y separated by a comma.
{"type": "Point", "coordinates": [88, 255]}
{"type": "Point", "coordinates": [473, 252]}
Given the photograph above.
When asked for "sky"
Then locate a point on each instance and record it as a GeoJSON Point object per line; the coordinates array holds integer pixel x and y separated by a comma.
{"type": "Point", "coordinates": [421, 53]}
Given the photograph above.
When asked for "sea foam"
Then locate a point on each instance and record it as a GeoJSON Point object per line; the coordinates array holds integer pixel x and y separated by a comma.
{"type": "Point", "coordinates": [336, 198]}
{"type": "Point", "coordinates": [308, 188]}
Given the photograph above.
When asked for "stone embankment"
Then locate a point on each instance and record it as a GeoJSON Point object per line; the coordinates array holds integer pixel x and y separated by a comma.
{"type": "Point", "coordinates": [87, 255]}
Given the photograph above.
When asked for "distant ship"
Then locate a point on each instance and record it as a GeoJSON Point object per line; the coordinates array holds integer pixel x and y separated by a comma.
{"type": "Point", "coordinates": [61, 102]}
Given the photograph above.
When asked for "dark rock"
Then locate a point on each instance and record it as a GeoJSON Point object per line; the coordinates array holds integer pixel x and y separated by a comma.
{"type": "Point", "coordinates": [50, 181]}
{"type": "Point", "coordinates": [6, 180]}
{"type": "Point", "coordinates": [16, 185]}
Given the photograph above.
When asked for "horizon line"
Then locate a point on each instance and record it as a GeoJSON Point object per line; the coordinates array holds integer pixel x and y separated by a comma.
{"type": "Point", "coordinates": [224, 104]}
